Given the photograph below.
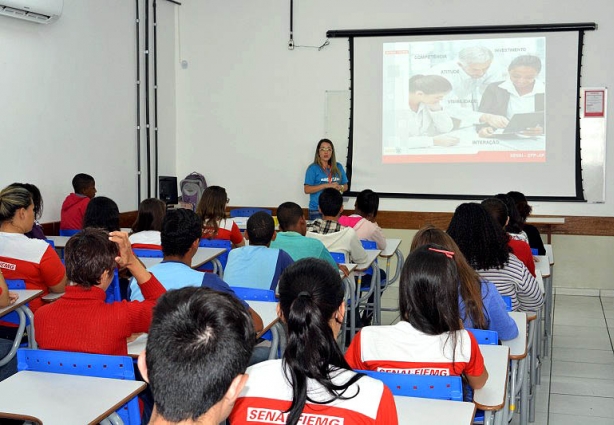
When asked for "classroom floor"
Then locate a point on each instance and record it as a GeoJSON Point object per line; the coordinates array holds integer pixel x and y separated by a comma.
{"type": "Point", "coordinates": [577, 379]}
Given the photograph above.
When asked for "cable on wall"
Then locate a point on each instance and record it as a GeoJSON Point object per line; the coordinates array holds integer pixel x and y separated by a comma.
{"type": "Point", "coordinates": [291, 44]}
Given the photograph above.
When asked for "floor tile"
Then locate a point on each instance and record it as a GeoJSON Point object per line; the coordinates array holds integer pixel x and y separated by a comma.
{"type": "Point", "coordinates": [587, 356]}
{"type": "Point", "coordinates": [579, 405]}
{"type": "Point", "coordinates": [564, 330]}
{"type": "Point", "coordinates": [580, 341]}
{"type": "Point", "coordinates": [559, 419]}
{"type": "Point", "coordinates": [583, 370]}
{"type": "Point", "coordinates": [581, 386]}
{"type": "Point", "coordinates": [571, 319]}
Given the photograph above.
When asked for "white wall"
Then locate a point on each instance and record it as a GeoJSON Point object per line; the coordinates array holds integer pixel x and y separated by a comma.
{"type": "Point", "coordinates": [250, 111]}
{"type": "Point", "coordinates": [68, 100]}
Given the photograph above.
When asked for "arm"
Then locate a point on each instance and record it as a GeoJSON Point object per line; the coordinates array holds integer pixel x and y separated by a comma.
{"type": "Point", "coordinates": [500, 320]}
{"type": "Point", "coordinates": [387, 410]}
{"type": "Point", "coordinates": [4, 292]}
{"type": "Point", "coordinates": [357, 252]}
{"type": "Point", "coordinates": [236, 237]}
{"type": "Point", "coordinates": [53, 271]}
{"type": "Point", "coordinates": [313, 189]}
{"type": "Point", "coordinates": [528, 293]}
{"type": "Point", "coordinates": [476, 372]}
{"type": "Point", "coordinates": [126, 258]}
{"type": "Point", "coordinates": [441, 120]}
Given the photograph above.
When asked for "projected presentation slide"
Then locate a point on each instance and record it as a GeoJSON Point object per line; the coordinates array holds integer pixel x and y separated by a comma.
{"type": "Point", "coordinates": [462, 101]}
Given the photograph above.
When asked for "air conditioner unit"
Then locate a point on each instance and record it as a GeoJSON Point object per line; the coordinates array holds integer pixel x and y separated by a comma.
{"type": "Point", "coordinates": [41, 11]}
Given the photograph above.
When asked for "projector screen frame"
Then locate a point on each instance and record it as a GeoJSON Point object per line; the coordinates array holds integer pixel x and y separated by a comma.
{"type": "Point", "coordinates": [463, 30]}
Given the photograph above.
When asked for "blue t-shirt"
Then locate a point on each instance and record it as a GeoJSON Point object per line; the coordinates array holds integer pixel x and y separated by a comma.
{"type": "Point", "coordinates": [315, 176]}
{"type": "Point", "coordinates": [175, 275]}
{"type": "Point", "coordinates": [256, 267]}
{"type": "Point", "coordinates": [495, 311]}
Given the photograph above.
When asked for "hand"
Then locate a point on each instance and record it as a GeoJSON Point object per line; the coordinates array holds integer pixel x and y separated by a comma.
{"type": "Point", "coordinates": [497, 121]}
{"type": "Point", "coordinates": [533, 131]}
{"type": "Point", "coordinates": [344, 269]}
{"type": "Point", "coordinates": [434, 107]}
{"type": "Point", "coordinates": [486, 132]}
{"type": "Point", "coordinates": [445, 141]}
{"type": "Point", "coordinates": [13, 297]}
{"type": "Point", "coordinates": [126, 257]}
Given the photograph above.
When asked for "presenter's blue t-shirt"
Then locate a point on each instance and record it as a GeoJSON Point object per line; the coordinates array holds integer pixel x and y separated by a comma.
{"type": "Point", "coordinates": [315, 176]}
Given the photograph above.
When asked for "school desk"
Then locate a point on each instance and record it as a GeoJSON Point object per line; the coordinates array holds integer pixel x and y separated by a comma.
{"type": "Point", "coordinates": [55, 398]}
{"type": "Point", "coordinates": [203, 255]}
{"type": "Point", "coordinates": [430, 411]}
{"type": "Point", "coordinates": [492, 397]}
{"type": "Point", "coordinates": [22, 310]}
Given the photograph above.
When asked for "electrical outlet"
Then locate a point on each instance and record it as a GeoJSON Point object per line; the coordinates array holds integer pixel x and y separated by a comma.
{"type": "Point", "coordinates": [290, 44]}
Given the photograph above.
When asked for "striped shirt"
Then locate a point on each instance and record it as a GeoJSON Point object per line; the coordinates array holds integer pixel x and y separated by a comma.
{"type": "Point", "coordinates": [515, 280]}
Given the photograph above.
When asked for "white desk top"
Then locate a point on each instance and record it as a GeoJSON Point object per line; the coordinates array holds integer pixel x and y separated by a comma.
{"type": "Point", "coordinates": [518, 345]}
{"type": "Point", "coordinates": [54, 398]}
{"type": "Point", "coordinates": [546, 220]}
{"type": "Point", "coordinates": [25, 296]}
{"type": "Point", "coordinates": [372, 255]}
{"type": "Point", "coordinates": [543, 265]}
{"type": "Point", "coordinates": [391, 247]}
{"type": "Point", "coordinates": [549, 253]}
{"type": "Point", "coordinates": [202, 256]}
{"type": "Point", "coordinates": [58, 241]}
{"type": "Point", "coordinates": [429, 411]}
{"type": "Point", "coordinates": [540, 281]}
{"type": "Point", "coordinates": [492, 395]}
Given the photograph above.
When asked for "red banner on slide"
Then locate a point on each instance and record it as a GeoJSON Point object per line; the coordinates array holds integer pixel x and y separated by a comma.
{"type": "Point", "coordinates": [523, 156]}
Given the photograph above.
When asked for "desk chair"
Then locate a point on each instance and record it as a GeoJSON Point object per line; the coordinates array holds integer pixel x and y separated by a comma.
{"type": "Point", "coordinates": [222, 258]}
{"type": "Point", "coordinates": [85, 364]}
{"type": "Point", "coordinates": [508, 302]}
{"type": "Point", "coordinates": [485, 337]}
{"type": "Point", "coordinates": [276, 334]}
{"type": "Point", "coordinates": [148, 253]}
{"type": "Point", "coordinates": [113, 292]}
{"type": "Point", "coordinates": [18, 318]}
{"type": "Point", "coordinates": [369, 306]}
{"type": "Point", "coordinates": [248, 212]}
{"type": "Point", "coordinates": [423, 386]}
{"type": "Point", "coordinates": [69, 232]}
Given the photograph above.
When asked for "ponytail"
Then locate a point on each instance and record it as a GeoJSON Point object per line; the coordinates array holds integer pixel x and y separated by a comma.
{"type": "Point", "coordinates": [11, 199]}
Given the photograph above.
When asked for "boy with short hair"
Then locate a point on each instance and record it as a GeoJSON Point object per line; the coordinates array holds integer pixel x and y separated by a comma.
{"type": "Point", "coordinates": [198, 347]}
{"type": "Point", "coordinates": [75, 204]}
{"type": "Point", "coordinates": [334, 236]}
{"type": "Point", "coordinates": [256, 265]}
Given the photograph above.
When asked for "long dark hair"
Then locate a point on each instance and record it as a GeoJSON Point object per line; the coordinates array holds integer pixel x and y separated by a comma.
{"type": "Point", "coordinates": [310, 292]}
{"type": "Point", "coordinates": [481, 239]}
{"type": "Point", "coordinates": [524, 209]}
{"type": "Point", "coordinates": [515, 223]}
{"type": "Point", "coordinates": [150, 215]}
{"type": "Point", "coordinates": [102, 212]}
{"type": "Point", "coordinates": [470, 282]}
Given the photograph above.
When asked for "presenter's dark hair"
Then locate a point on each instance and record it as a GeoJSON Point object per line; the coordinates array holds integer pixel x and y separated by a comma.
{"type": "Point", "coordinates": [515, 223]}
{"type": "Point", "coordinates": [288, 215]}
{"type": "Point", "coordinates": [332, 162]}
{"type": "Point", "coordinates": [470, 282]}
{"type": "Point", "coordinates": [180, 228]}
{"type": "Point", "coordinates": [330, 202]}
{"type": "Point", "coordinates": [524, 209]}
{"type": "Point", "coordinates": [212, 207]}
{"type": "Point", "coordinates": [310, 292]}
{"type": "Point", "coordinates": [37, 198]}
{"type": "Point", "coordinates": [482, 240]}
{"type": "Point", "coordinates": [429, 84]}
{"type": "Point", "coordinates": [150, 215]}
{"type": "Point", "coordinates": [260, 228]}
{"type": "Point", "coordinates": [81, 182]}
{"type": "Point", "coordinates": [88, 254]}
{"type": "Point", "coordinates": [526, 60]}
{"type": "Point", "coordinates": [199, 341]}
{"type": "Point", "coordinates": [102, 212]}
{"type": "Point", "coordinates": [367, 203]}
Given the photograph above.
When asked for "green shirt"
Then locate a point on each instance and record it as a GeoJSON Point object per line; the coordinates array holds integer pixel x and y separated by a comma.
{"type": "Point", "coordinates": [299, 246]}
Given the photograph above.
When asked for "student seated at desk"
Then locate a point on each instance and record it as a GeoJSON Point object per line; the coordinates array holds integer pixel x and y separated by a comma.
{"type": "Point", "coordinates": [480, 304]}
{"type": "Point", "coordinates": [212, 210]}
{"type": "Point", "coordinates": [257, 265]}
{"type": "Point", "coordinates": [81, 320]}
{"type": "Point", "coordinates": [334, 236]}
{"type": "Point", "coordinates": [6, 298]}
{"type": "Point", "coordinates": [75, 204]}
{"type": "Point", "coordinates": [484, 245]}
{"type": "Point", "coordinates": [197, 350]}
{"type": "Point", "coordinates": [102, 213]}
{"type": "Point", "coordinates": [312, 382]}
{"type": "Point", "coordinates": [429, 339]}
{"type": "Point", "coordinates": [148, 224]}
{"type": "Point", "coordinates": [524, 209]}
{"type": "Point", "coordinates": [499, 211]}
{"type": "Point", "coordinates": [37, 199]}
{"type": "Point", "coordinates": [363, 220]}
{"type": "Point", "coordinates": [181, 229]}
{"type": "Point", "coordinates": [32, 260]}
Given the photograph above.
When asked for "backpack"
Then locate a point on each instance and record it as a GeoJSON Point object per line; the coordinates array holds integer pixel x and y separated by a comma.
{"type": "Point", "coordinates": [192, 188]}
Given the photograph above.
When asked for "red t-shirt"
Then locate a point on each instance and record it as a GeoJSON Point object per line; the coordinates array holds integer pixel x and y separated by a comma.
{"type": "Point", "coordinates": [227, 230]}
{"type": "Point", "coordinates": [522, 250]}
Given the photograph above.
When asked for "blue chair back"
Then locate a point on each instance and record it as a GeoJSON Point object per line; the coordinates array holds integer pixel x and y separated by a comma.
{"type": "Point", "coordinates": [422, 386]}
{"type": "Point", "coordinates": [84, 364]}
{"type": "Point", "coordinates": [14, 284]}
{"type": "Point", "coordinates": [148, 253]}
{"type": "Point", "coordinates": [508, 302]}
{"type": "Point", "coordinates": [247, 212]}
{"type": "Point", "coordinates": [253, 294]}
{"type": "Point", "coordinates": [113, 292]}
{"type": "Point", "coordinates": [215, 243]}
{"type": "Point", "coordinates": [368, 244]}
{"type": "Point", "coordinates": [69, 232]}
{"type": "Point", "coordinates": [534, 251]}
{"type": "Point", "coordinates": [484, 337]}
{"type": "Point", "coordinates": [50, 242]}
{"type": "Point", "coordinates": [339, 257]}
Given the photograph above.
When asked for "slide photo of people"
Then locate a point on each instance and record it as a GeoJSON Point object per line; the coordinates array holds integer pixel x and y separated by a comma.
{"type": "Point", "coordinates": [480, 100]}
